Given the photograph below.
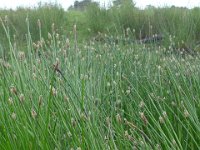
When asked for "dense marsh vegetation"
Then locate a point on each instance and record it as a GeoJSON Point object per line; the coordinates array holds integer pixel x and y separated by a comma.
{"type": "Point", "coordinates": [60, 88]}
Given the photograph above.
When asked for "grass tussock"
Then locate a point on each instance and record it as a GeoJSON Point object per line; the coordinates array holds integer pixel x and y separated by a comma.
{"type": "Point", "coordinates": [60, 93]}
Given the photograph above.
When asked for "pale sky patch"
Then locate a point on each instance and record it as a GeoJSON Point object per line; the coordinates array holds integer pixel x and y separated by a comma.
{"type": "Point", "coordinates": [66, 3]}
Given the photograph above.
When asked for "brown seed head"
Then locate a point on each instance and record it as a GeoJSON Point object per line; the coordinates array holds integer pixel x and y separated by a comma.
{"type": "Point", "coordinates": [10, 101]}
{"type": "Point", "coordinates": [118, 118]}
{"type": "Point", "coordinates": [13, 90]}
{"type": "Point", "coordinates": [13, 116]}
{"type": "Point", "coordinates": [21, 98]}
{"type": "Point", "coordinates": [186, 113]}
{"type": "Point", "coordinates": [40, 101]}
{"type": "Point", "coordinates": [33, 113]}
{"type": "Point", "coordinates": [143, 117]}
{"type": "Point", "coordinates": [161, 120]}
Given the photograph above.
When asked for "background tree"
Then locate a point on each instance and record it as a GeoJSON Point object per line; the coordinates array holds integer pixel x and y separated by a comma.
{"type": "Point", "coordinates": [119, 3]}
{"type": "Point", "coordinates": [82, 5]}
